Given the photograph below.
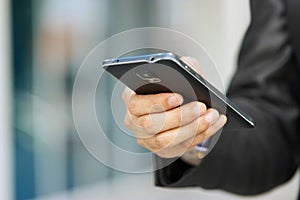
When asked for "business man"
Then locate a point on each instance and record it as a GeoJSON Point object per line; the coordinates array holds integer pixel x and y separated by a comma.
{"type": "Point", "coordinates": [266, 85]}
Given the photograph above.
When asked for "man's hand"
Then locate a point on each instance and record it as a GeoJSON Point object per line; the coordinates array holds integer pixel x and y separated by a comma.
{"type": "Point", "coordinates": [165, 127]}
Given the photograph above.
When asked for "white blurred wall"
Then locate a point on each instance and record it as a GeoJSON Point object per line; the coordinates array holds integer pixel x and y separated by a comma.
{"type": "Point", "coordinates": [218, 25]}
{"type": "Point", "coordinates": [6, 167]}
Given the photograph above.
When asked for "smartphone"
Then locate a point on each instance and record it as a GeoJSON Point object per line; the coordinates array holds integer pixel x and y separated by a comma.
{"type": "Point", "coordinates": [165, 72]}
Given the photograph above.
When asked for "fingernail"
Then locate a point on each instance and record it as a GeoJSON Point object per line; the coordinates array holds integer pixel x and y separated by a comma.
{"type": "Point", "coordinates": [199, 109]}
{"type": "Point", "coordinates": [212, 116]}
{"type": "Point", "coordinates": [223, 119]}
{"type": "Point", "coordinates": [175, 100]}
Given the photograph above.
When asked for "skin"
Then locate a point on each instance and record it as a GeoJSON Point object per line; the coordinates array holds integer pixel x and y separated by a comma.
{"type": "Point", "coordinates": [166, 127]}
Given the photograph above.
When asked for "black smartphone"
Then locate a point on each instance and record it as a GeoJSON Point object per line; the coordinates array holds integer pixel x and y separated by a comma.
{"type": "Point", "coordinates": [166, 72]}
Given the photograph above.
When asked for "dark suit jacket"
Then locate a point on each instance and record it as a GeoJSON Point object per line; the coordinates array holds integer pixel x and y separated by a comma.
{"type": "Point", "coordinates": [266, 85]}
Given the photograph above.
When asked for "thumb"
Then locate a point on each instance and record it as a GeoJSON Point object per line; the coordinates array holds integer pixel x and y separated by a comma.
{"type": "Point", "coordinates": [193, 63]}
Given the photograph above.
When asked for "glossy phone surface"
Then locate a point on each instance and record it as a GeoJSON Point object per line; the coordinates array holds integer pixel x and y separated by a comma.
{"type": "Point", "coordinates": [165, 72]}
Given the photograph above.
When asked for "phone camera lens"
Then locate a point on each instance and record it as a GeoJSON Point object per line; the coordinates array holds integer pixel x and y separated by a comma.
{"type": "Point", "coordinates": [152, 59]}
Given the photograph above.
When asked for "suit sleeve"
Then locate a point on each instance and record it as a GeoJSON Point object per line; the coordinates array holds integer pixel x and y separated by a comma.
{"type": "Point", "coordinates": [252, 161]}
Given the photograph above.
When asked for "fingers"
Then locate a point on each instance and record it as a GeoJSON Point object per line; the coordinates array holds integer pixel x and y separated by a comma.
{"type": "Point", "coordinates": [177, 136]}
{"type": "Point", "coordinates": [188, 145]}
{"type": "Point", "coordinates": [139, 105]}
{"type": "Point", "coordinates": [166, 128]}
{"type": "Point", "coordinates": [153, 103]}
{"type": "Point", "coordinates": [174, 137]}
{"type": "Point", "coordinates": [215, 127]}
{"type": "Point", "coordinates": [193, 63]}
{"type": "Point", "coordinates": [149, 125]}
{"type": "Point", "coordinates": [178, 117]}
{"type": "Point", "coordinates": [192, 142]}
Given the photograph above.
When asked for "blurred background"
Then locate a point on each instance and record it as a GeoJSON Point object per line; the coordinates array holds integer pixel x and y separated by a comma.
{"type": "Point", "coordinates": [43, 43]}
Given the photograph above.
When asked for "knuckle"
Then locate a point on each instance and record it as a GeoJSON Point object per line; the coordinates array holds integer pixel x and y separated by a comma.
{"type": "Point", "coordinates": [159, 142]}
{"type": "Point", "coordinates": [176, 118]}
{"type": "Point", "coordinates": [141, 142]}
{"type": "Point", "coordinates": [132, 107]}
{"type": "Point", "coordinates": [145, 122]}
{"type": "Point", "coordinates": [203, 125]}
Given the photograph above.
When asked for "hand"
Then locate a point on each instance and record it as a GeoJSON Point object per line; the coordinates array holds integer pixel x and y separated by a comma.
{"type": "Point", "coordinates": [165, 127]}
